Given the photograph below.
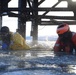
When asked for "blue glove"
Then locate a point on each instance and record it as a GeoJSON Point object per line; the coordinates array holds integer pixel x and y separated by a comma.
{"type": "Point", "coordinates": [4, 46]}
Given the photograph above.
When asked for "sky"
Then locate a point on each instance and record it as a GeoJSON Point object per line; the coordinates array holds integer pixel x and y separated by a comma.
{"type": "Point", "coordinates": [11, 22]}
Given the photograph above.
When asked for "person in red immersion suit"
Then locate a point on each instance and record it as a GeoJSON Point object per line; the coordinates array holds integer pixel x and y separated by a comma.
{"type": "Point", "coordinates": [66, 41]}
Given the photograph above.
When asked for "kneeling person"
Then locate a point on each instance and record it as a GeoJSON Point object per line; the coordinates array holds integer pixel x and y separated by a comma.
{"type": "Point", "coordinates": [13, 41]}
{"type": "Point", "coordinates": [66, 41]}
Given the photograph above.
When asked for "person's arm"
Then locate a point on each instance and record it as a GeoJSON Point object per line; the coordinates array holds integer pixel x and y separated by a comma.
{"type": "Point", "coordinates": [74, 39]}
{"type": "Point", "coordinates": [57, 46]}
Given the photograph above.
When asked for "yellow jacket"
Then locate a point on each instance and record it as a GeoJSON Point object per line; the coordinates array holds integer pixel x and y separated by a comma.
{"type": "Point", "coordinates": [18, 42]}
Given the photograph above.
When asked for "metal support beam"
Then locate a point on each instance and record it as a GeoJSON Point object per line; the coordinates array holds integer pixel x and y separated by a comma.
{"type": "Point", "coordinates": [34, 20]}
{"type": "Point", "coordinates": [35, 30]}
{"type": "Point", "coordinates": [22, 28]}
{"type": "Point", "coordinates": [0, 22]}
{"type": "Point", "coordinates": [21, 19]}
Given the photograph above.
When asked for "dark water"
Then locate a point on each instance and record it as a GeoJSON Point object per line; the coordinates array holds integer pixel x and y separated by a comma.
{"type": "Point", "coordinates": [37, 59]}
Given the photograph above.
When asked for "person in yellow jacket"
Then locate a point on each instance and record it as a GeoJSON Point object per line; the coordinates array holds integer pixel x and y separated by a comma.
{"type": "Point", "coordinates": [12, 41]}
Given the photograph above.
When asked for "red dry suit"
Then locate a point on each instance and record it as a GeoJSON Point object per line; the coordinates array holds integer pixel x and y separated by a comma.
{"type": "Point", "coordinates": [66, 47]}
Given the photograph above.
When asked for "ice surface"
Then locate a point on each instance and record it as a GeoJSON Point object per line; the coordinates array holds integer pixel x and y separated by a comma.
{"type": "Point", "coordinates": [37, 61]}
